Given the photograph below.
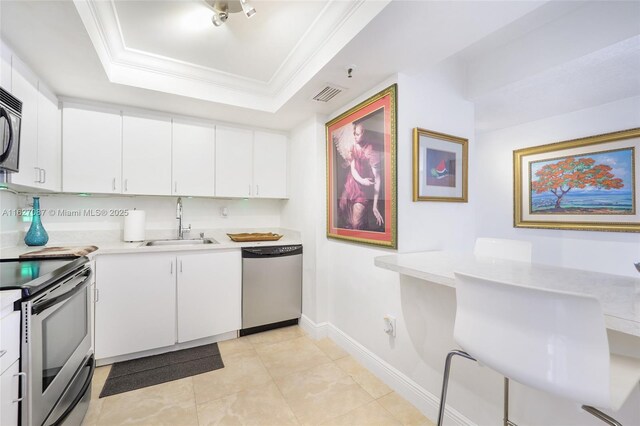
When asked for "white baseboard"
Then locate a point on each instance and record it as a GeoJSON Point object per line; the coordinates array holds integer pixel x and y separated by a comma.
{"type": "Point", "coordinates": [425, 401]}
{"type": "Point", "coordinates": [317, 331]}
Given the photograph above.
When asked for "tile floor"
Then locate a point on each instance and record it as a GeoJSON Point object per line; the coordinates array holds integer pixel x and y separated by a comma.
{"type": "Point", "coordinates": [280, 377]}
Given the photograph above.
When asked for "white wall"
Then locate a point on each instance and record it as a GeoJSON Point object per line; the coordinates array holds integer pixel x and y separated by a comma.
{"type": "Point", "coordinates": [201, 213]}
{"type": "Point", "coordinates": [610, 252]}
{"type": "Point", "coordinates": [304, 211]}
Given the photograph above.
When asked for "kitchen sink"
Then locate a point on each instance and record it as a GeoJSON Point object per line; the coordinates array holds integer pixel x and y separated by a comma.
{"type": "Point", "coordinates": [186, 242]}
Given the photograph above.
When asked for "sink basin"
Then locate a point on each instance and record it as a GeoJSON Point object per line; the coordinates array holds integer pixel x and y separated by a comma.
{"type": "Point", "coordinates": [193, 242]}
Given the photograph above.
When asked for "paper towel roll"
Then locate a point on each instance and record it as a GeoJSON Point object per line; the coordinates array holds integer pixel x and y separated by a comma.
{"type": "Point", "coordinates": [134, 225]}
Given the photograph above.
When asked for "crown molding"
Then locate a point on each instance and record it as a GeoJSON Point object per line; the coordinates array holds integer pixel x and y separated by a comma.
{"type": "Point", "coordinates": [334, 27]}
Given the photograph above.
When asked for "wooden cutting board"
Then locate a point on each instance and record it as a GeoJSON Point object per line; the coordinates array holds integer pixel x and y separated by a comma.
{"type": "Point", "coordinates": [255, 236]}
{"type": "Point", "coordinates": [59, 252]}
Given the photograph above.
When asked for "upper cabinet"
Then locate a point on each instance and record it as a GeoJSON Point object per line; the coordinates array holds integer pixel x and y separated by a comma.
{"type": "Point", "coordinates": [40, 137]}
{"type": "Point", "coordinates": [250, 164]}
{"type": "Point", "coordinates": [5, 67]}
{"type": "Point", "coordinates": [146, 155]}
{"type": "Point", "coordinates": [193, 159]}
{"type": "Point", "coordinates": [234, 164]}
{"type": "Point", "coordinates": [24, 86]}
{"type": "Point", "coordinates": [49, 141]}
{"type": "Point", "coordinates": [91, 149]}
{"type": "Point", "coordinates": [270, 165]}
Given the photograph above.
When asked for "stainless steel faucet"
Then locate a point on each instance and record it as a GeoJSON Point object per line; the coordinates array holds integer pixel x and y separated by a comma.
{"type": "Point", "coordinates": [181, 230]}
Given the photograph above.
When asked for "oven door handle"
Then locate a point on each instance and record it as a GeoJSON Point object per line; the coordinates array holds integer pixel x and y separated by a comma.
{"type": "Point", "coordinates": [84, 282]}
{"type": "Point", "coordinates": [90, 363]}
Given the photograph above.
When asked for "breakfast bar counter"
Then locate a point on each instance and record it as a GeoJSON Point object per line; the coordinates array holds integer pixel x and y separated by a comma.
{"type": "Point", "coordinates": [619, 296]}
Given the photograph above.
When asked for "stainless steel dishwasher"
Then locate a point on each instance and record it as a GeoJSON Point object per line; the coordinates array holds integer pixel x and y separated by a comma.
{"type": "Point", "coordinates": [271, 287]}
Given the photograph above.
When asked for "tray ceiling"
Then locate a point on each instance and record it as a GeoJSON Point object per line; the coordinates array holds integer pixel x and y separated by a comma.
{"type": "Point", "coordinates": [257, 63]}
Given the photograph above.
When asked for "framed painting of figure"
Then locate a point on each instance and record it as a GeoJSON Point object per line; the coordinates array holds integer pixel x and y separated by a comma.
{"type": "Point", "coordinates": [439, 166]}
{"type": "Point", "coordinates": [588, 184]}
{"type": "Point", "coordinates": [361, 172]}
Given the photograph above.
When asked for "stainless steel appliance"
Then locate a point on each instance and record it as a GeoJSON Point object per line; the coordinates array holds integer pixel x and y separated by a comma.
{"type": "Point", "coordinates": [10, 119]}
{"type": "Point", "coordinates": [271, 287]}
{"type": "Point", "coordinates": [56, 359]}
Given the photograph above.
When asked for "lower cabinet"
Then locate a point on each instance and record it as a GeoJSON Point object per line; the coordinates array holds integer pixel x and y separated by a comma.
{"type": "Point", "coordinates": [147, 301]}
{"type": "Point", "coordinates": [9, 389]}
{"type": "Point", "coordinates": [209, 294]}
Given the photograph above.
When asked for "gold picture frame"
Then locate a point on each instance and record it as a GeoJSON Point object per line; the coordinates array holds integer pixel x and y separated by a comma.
{"type": "Point", "coordinates": [440, 166]}
{"type": "Point", "coordinates": [361, 172]}
{"type": "Point", "coordinates": [586, 184]}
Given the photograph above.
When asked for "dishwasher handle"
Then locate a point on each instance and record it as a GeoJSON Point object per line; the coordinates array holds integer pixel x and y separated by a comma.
{"type": "Point", "coordinates": [271, 251]}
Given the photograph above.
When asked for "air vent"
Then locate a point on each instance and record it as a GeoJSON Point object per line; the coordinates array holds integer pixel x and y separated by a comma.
{"type": "Point", "coordinates": [10, 101]}
{"type": "Point", "coordinates": [328, 93]}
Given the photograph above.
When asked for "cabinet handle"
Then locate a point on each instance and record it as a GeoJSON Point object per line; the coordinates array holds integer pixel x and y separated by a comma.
{"type": "Point", "coordinates": [39, 171]}
{"type": "Point", "coordinates": [2, 352]}
{"type": "Point", "coordinates": [23, 380]}
{"type": "Point", "coordinates": [44, 175]}
{"type": "Point", "coordinates": [181, 266]}
{"type": "Point", "coordinates": [113, 185]}
{"type": "Point", "coordinates": [172, 267]}
{"type": "Point", "coordinates": [126, 185]}
{"type": "Point", "coordinates": [96, 295]}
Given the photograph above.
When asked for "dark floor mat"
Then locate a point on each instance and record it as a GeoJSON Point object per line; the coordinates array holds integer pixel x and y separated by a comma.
{"type": "Point", "coordinates": [152, 370]}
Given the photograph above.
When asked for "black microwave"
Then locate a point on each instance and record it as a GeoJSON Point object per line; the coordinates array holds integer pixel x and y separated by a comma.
{"type": "Point", "coordinates": [10, 119]}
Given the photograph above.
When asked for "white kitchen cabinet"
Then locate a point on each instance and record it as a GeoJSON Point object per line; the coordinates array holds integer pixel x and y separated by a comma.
{"type": "Point", "coordinates": [250, 164]}
{"type": "Point", "coordinates": [5, 67]}
{"type": "Point", "coordinates": [24, 85]}
{"type": "Point", "coordinates": [193, 159]}
{"type": "Point", "coordinates": [146, 155]}
{"type": "Point", "coordinates": [49, 161]}
{"type": "Point", "coordinates": [9, 393]}
{"type": "Point", "coordinates": [91, 149]}
{"type": "Point", "coordinates": [209, 294]}
{"type": "Point", "coordinates": [234, 162]}
{"type": "Point", "coordinates": [270, 165]}
{"type": "Point", "coordinates": [136, 303]}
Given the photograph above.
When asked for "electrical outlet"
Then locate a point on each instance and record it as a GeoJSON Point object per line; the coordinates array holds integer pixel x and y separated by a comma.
{"type": "Point", "coordinates": [390, 325]}
{"type": "Point", "coordinates": [224, 212]}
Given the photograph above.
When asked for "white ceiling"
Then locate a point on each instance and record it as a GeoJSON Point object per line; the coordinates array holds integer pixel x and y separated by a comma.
{"type": "Point", "coordinates": [486, 38]}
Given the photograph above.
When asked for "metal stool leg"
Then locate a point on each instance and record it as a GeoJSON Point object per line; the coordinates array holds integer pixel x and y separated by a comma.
{"type": "Point", "coordinates": [445, 380]}
{"type": "Point", "coordinates": [505, 405]}
{"type": "Point", "coordinates": [602, 416]}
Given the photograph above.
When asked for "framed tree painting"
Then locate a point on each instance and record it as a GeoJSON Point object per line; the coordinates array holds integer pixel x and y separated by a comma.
{"type": "Point", "coordinates": [361, 172]}
{"type": "Point", "coordinates": [439, 166]}
{"type": "Point", "coordinates": [584, 184]}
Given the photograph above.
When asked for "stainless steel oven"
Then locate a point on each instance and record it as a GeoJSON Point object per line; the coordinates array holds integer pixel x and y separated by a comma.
{"type": "Point", "coordinates": [56, 350]}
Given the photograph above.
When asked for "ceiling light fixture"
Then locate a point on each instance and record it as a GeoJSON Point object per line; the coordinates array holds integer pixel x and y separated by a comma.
{"type": "Point", "coordinates": [222, 9]}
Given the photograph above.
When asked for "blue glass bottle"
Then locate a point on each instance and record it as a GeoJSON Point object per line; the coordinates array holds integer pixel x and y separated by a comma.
{"type": "Point", "coordinates": [36, 236]}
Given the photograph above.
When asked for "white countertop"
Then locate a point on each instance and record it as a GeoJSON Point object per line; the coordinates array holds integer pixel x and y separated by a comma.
{"type": "Point", "coordinates": [119, 247]}
{"type": "Point", "coordinates": [618, 295]}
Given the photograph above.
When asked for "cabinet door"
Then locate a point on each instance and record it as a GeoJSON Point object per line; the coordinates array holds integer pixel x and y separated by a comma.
{"type": "Point", "coordinates": [193, 159]}
{"type": "Point", "coordinates": [146, 155]}
{"type": "Point", "coordinates": [49, 140]}
{"type": "Point", "coordinates": [91, 149]}
{"type": "Point", "coordinates": [234, 162]}
{"type": "Point", "coordinates": [270, 165]}
{"type": "Point", "coordinates": [209, 294]}
{"type": "Point", "coordinates": [9, 389]}
{"type": "Point", "coordinates": [136, 303]}
{"type": "Point", "coordinates": [5, 67]}
{"type": "Point", "coordinates": [25, 88]}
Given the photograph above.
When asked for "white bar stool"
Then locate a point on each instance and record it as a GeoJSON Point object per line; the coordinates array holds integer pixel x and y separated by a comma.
{"type": "Point", "coordinates": [549, 340]}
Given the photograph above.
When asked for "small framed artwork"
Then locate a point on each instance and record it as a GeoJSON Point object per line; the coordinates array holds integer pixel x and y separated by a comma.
{"type": "Point", "coordinates": [439, 166]}
{"type": "Point", "coordinates": [588, 184]}
{"type": "Point", "coordinates": [361, 172]}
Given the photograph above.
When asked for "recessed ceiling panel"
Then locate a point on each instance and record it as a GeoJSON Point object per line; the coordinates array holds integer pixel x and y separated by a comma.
{"type": "Point", "coordinates": [182, 30]}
